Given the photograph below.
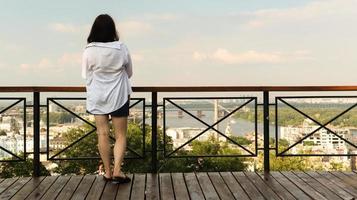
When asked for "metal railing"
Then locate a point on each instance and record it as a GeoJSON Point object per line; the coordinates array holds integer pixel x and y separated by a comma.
{"type": "Point", "coordinates": [18, 100]}
{"type": "Point", "coordinates": [320, 125]}
{"type": "Point", "coordinates": [208, 127]}
{"type": "Point", "coordinates": [55, 156]}
{"type": "Point", "coordinates": [264, 90]}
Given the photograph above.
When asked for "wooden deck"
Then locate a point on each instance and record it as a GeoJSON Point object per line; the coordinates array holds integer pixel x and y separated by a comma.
{"type": "Point", "coordinates": [196, 186]}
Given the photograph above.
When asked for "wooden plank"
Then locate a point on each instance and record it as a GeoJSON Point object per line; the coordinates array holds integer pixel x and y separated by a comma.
{"type": "Point", "coordinates": [124, 190]}
{"type": "Point", "coordinates": [6, 183]}
{"type": "Point", "coordinates": [267, 192]}
{"type": "Point", "coordinates": [237, 191]}
{"type": "Point", "coordinates": [352, 175]}
{"type": "Point", "coordinates": [138, 188]}
{"type": "Point", "coordinates": [221, 187]}
{"type": "Point", "coordinates": [84, 187]}
{"type": "Point", "coordinates": [152, 187]}
{"type": "Point", "coordinates": [276, 187]}
{"type": "Point", "coordinates": [344, 178]}
{"type": "Point", "coordinates": [180, 188]}
{"type": "Point", "coordinates": [97, 188]}
{"type": "Point", "coordinates": [15, 187]}
{"type": "Point", "coordinates": [303, 186]}
{"type": "Point", "coordinates": [110, 191]}
{"type": "Point", "coordinates": [28, 188]}
{"type": "Point", "coordinates": [56, 188]}
{"type": "Point", "coordinates": [290, 186]}
{"type": "Point", "coordinates": [248, 186]}
{"type": "Point", "coordinates": [42, 188]}
{"type": "Point", "coordinates": [166, 189]}
{"type": "Point", "coordinates": [318, 186]}
{"type": "Point", "coordinates": [330, 185]}
{"type": "Point", "coordinates": [206, 185]}
{"type": "Point", "coordinates": [193, 186]}
{"type": "Point", "coordinates": [70, 187]}
{"type": "Point", "coordinates": [324, 185]}
{"type": "Point", "coordinates": [340, 183]}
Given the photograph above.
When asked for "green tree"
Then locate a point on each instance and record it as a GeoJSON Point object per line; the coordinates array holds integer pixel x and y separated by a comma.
{"type": "Point", "coordinates": [20, 169]}
{"type": "Point", "coordinates": [87, 147]}
{"type": "Point", "coordinates": [241, 140]}
{"type": "Point", "coordinates": [209, 147]}
{"type": "Point", "coordinates": [286, 163]}
{"type": "Point", "coordinates": [336, 166]}
{"type": "Point", "coordinates": [214, 147]}
{"type": "Point", "coordinates": [290, 117]}
{"type": "Point", "coordinates": [59, 117]}
{"type": "Point", "coordinates": [308, 143]}
{"type": "Point", "coordinates": [14, 125]}
{"type": "Point", "coordinates": [2, 132]}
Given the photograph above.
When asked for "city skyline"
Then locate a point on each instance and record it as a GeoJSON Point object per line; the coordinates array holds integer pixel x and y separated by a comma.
{"type": "Point", "coordinates": [308, 42]}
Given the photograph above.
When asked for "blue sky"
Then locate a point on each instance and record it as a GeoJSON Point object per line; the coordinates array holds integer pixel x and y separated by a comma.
{"type": "Point", "coordinates": [228, 42]}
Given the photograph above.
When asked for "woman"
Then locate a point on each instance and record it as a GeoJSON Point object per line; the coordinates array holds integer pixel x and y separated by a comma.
{"type": "Point", "coordinates": [106, 66]}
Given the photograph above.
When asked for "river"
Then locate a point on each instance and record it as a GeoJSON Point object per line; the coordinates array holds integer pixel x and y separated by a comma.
{"type": "Point", "coordinates": [239, 127]}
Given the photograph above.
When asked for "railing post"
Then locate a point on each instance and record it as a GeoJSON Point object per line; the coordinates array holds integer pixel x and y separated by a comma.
{"type": "Point", "coordinates": [36, 134]}
{"type": "Point", "coordinates": [266, 131]}
{"type": "Point", "coordinates": [154, 132]}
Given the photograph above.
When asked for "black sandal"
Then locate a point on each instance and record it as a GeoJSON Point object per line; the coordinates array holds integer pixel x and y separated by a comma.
{"type": "Point", "coordinates": [107, 179]}
{"type": "Point", "coordinates": [120, 179]}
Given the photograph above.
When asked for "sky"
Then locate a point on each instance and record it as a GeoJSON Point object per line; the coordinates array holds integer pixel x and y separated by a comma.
{"type": "Point", "coordinates": [185, 42]}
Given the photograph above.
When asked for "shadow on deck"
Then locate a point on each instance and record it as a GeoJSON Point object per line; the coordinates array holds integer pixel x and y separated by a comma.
{"type": "Point", "coordinates": [212, 185]}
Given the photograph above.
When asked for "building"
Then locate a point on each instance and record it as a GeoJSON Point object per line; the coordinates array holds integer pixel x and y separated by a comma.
{"type": "Point", "coordinates": [181, 135]}
{"type": "Point", "coordinates": [322, 141]}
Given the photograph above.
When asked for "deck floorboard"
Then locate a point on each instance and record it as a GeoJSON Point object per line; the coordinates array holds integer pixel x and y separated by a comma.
{"type": "Point", "coordinates": [182, 186]}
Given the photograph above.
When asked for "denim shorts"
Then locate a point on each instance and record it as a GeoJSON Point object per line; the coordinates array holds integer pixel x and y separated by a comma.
{"type": "Point", "coordinates": [121, 112]}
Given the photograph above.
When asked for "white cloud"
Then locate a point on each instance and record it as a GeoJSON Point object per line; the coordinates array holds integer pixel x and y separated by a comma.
{"type": "Point", "coordinates": [225, 56]}
{"type": "Point", "coordinates": [125, 27]}
{"type": "Point", "coordinates": [24, 66]}
{"type": "Point", "coordinates": [199, 56]}
{"type": "Point", "coordinates": [64, 28]}
{"type": "Point", "coordinates": [134, 27]}
{"type": "Point", "coordinates": [250, 57]}
{"type": "Point", "coordinates": [137, 57]}
{"type": "Point", "coordinates": [68, 28]}
{"type": "Point", "coordinates": [162, 17]}
{"type": "Point", "coordinates": [143, 24]}
{"type": "Point", "coordinates": [2, 65]}
{"type": "Point", "coordinates": [70, 59]}
{"type": "Point", "coordinates": [45, 63]}
{"type": "Point", "coordinates": [59, 64]}
{"type": "Point", "coordinates": [315, 10]}
{"type": "Point", "coordinates": [255, 23]}
{"type": "Point", "coordinates": [42, 64]}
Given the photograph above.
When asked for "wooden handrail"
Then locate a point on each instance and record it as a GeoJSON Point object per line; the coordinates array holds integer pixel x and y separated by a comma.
{"type": "Point", "coordinates": [182, 88]}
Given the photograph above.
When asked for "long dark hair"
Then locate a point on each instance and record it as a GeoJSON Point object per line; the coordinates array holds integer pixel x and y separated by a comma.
{"type": "Point", "coordinates": [103, 30]}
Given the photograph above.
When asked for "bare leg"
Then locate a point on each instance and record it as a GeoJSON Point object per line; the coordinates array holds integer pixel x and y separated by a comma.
{"type": "Point", "coordinates": [102, 124]}
{"type": "Point", "coordinates": [120, 127]}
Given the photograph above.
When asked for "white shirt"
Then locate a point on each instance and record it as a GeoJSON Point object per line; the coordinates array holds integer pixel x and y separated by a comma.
{"type": "Point", "coordinates": [107, 68]}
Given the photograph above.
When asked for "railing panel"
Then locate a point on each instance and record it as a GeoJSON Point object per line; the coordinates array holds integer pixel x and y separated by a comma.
{"type": "Point", "coordinates": [71, 131]}
{"type": "Point", "coordinates": [220, 123]}
{"type": "Point", "coordinates": [316, 125]}
{"type": "Point", "coordinates": [12, 129]}
{"type": "Point", "coordinates": [300, 123]}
